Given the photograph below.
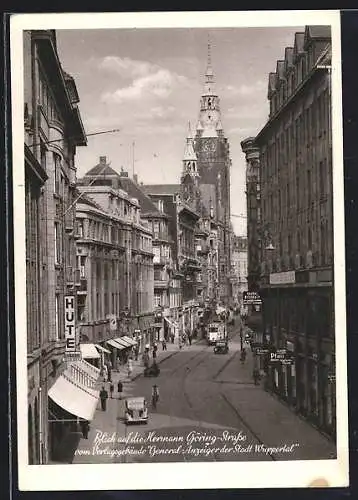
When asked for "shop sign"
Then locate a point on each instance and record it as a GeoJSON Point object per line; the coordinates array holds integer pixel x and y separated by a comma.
{"type": "Point", "coordinates": [261, 351]}
{"type": "Point", "coordinates": [70, 324]}
{"type": "Point", "coordinates": [251, 298]}
{"type": "Point", "coordinates": [282, 356]}
{"type": "Point", "coordinates": [284, 278]}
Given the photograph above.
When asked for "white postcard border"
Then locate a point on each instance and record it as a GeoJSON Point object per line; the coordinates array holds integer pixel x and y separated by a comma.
{"type": "Point", "coordinates": [167, 475]}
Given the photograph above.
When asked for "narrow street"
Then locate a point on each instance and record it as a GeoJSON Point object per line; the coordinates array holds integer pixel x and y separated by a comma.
{"type": "Point", "coordinates": [209, 410]}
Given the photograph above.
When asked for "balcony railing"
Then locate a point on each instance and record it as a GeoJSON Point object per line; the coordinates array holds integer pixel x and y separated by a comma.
{"type": "Point", "coordinates": [161, 283]}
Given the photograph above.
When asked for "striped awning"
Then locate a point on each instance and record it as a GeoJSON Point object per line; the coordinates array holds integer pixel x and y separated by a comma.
{"type": "Point", "coordinates": [114, 343]}
{"type": "Point", "coordinates": [103, 349]}
{"type": "Point", "coordinates": [72, 398]}
{"type": "Point", "coordinates": [124, 341]}
{"type": "Point", "coordinates": [129, 340]}
{"type": "Point", "coordinates": [89, 351]}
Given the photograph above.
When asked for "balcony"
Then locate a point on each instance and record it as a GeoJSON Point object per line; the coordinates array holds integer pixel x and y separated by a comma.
{"type": "Point", "coordinates": [161, 284]}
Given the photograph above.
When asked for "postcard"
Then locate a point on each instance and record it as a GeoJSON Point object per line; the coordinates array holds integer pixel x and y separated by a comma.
{"type": "Point", "coordinates": [179, 256]}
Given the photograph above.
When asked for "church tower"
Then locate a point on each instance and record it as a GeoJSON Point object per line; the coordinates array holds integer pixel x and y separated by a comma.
{"type": "Point", "coordinates": [190, 177]}
{"type": "Point", "coordinates": [213, 166]}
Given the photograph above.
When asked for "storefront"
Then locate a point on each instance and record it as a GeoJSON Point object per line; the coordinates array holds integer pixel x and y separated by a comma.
{"type": "Point", "coordinates": [72, 399]}
{"type": "Point", "coordinates": [122, 348]}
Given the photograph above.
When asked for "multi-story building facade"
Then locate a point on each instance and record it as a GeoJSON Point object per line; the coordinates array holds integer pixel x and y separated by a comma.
{"type": "Point", "coordinates": [102, 265]}
{"type": "Point", "coordinates": [157, 221]}
{"type": "Point", "coordinates": [257, 234]}
{"type": "Point", "coordinates": [131, 238]}
{"type": "Point", "coordinates": [296, 189]}
{"type": "Point", "coordinates": [239, 267]}
{"type": "Point", "coordinates": [53, 130]}
{"type": "Point", "coordinates": [182, 225]}
{"type": "Point", "coordinates": [213, 169]}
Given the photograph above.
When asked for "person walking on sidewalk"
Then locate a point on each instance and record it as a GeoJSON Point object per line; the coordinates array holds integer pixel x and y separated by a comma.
{"type": "Point", "coordinates": [103, 396]}
{"type": "Point", "coordinates": [155, 395]}
{"type": "Point", "coordinates": [120, 389]}
{"type": "Point", "coordinates": [256, 376]}
{"type": "Point", "coordinates": [164, 344]}
{"type": "Point", "coordinates": [111, 389]}
{"type": "Point", "coordinates": [85, 428]}
{"type": "Point", "coordinates": [130, 367]}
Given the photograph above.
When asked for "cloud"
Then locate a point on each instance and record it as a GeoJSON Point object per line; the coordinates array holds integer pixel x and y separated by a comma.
{"type": "Point", "coordinates": [126, 67]}
{"type": "Point", "coordinates": [246, 90]}
{"type": "Point", "coordinates": [147, 80]}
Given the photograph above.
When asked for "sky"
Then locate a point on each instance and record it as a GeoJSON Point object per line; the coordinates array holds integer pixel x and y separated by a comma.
{"type": "Point", "coordinates": [148, 83]}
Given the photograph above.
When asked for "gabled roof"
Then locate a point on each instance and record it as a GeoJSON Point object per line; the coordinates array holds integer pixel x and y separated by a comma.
{"type": "Point", "coordinates": [136, 191]}
{"type": "Point", "coordinates": [288, 58]}
{"type": "Point", "coordinates": [280, 71]}
{"type": "Point", "coordinates": [165, 189]}
{"type": "Point", "coordinates": [317, 32]}
{"type": "Point", "coordinates": [298, 47]}
{"type": "Point", "coordinates": [101, 169]}
{"type": "Point", "coordinates": [271, 85]}
{"type": "Point", "coordinates": [83, 198]}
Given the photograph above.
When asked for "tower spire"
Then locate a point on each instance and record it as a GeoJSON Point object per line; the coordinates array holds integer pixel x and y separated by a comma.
{"type": "Point", "coordinates": [209, 70]}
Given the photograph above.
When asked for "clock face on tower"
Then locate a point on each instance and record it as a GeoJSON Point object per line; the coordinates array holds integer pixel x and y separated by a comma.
{"type": "Point", "coordinates": [209, 146]}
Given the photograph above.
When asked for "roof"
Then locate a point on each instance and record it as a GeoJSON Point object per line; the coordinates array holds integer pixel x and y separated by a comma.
{"type": "Point", "coordinates": [166, 189]}
{"type": "Point", "coordinates": [135, 191]}
{"type": "Point", "coordinates": [102, 169]}
{"type": "Point", "coordinates": [271, 84]}
{"type": "Point", "coordinates": [323, 31]}
{"type": "Point", "coordinates": [83, 198]}
{"type": "Point", "coordinates": [288, 57]}
{"type": "Point", "coordinates": [280, 70]}
{"type": "Point", "coordinates": [299, 43]}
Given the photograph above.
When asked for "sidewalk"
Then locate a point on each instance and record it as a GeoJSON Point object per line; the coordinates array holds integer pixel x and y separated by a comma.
{"type": "Point", "coordinates": [270, 419]}
{"type": "Point", "coordinates": [111, 419]}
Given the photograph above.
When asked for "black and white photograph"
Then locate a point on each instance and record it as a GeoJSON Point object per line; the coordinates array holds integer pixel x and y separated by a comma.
{"type": "Point", "coordinates": [179, 250]}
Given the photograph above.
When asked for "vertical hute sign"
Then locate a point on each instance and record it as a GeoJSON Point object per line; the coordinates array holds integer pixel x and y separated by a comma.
{"type": "Point", "coordinates": [70, 323]}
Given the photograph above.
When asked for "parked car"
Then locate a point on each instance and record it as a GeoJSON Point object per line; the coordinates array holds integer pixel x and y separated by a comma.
{"type": "Point", "coordinates": [136, 410]}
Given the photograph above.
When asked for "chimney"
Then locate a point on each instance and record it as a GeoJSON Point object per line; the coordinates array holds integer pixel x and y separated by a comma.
{"type": "Point", "coordinates": [135, 178]}
{"type": "Point", "coordinates": [103, 160]}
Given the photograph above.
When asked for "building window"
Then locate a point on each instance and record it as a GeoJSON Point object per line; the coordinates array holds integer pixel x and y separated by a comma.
{"type": "Point", "coordinates": [322, 179]}
{"type": "Point", "coordinates": [57, 172]}
{"type": "Point", "coordinates": [57, 318]}
{"type": "Point", "coordinates": [57, 244]}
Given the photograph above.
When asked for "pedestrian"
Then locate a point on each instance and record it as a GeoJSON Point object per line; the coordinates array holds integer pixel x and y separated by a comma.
{"type": "Point", "coordinates": [256, 376]}
{"type": "Point", "coordinates": [164, 345]}
{"type": "Point", "coordinates": [130, 367]}
{"type": "Point", "coordinates": [155, 395]}
{"type": "Point", "coordinates": [111, 389]}
{"type": "Point", "coordinates": [103, 396]}
{"type": "Point", "coordinates": [85, 428]}
{"type": "Point", "coordinates": [120, 389]}
{"type": "Point", "coordinates": [154, 354]}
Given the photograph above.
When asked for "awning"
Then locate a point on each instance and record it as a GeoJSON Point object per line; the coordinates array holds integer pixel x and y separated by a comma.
{"type": "Point", "coordinates": [130, 341]}
{"type": "Point", "coordinates": [124, 341]}
{"type": "Point", "coordinates": [103, 349]}
{"type": "Point", "coordinates": [172, 323]}
{"type": "Point", "coordinates": [115, 344]}
{"type": "Point", "coordinates": [89, 351]}
{"type": "Point", "coordinates": [71, 397]}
